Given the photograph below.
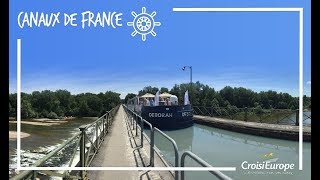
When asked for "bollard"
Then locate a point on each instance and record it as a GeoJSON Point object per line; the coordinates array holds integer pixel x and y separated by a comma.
{"type": "Point", "coordinates": [297, 117]}
{"type": "Point", "coordinates": [82, 151]}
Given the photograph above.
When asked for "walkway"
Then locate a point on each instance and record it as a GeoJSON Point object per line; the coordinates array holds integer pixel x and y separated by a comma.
{"type": "Point", "coordinates": [288, 132]}
{"type": "Point", "coordinates": [119, 149]}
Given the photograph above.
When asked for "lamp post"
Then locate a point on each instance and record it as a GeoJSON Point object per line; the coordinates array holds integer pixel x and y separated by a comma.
{"type": "Point", "coordinates": [183, 69]}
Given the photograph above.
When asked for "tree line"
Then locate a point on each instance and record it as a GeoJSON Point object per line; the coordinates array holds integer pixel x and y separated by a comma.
{"type": "Point", "coordinates": [203, 95]}
{"type": "Point", "coordinates": [61, 103]}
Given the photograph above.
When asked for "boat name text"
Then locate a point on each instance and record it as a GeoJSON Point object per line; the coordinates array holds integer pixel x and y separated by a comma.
{"type": "Point", "coordinates": [186, 113]}
{"type": "Point", "coordinates": [160, 114]}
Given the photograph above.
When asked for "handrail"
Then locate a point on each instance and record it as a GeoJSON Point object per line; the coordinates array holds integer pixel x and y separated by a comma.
{"type": "Point", "coordinates": [41, 161]}
{"type": "Point", "coordinates": [203, 163]}
{"type": "Point", "coordinates": [153, 148]}
{"type": "Point", "coordinates": [272, 116]}
{"type": "Point", "coordinates": [152, 143]}
{"type": "Point", "coordinates": [82, 135]}
{"type": "Point", "coordinates": [176, 152]}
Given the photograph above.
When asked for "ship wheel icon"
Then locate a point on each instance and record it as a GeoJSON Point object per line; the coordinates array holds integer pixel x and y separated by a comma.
{"type": "Point", "coordinates": [143, 24]}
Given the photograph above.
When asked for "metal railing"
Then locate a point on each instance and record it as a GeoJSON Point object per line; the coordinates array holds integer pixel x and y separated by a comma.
{"type": "Point", "coordinates": [203, 163]}
{"type": "Point", "coordinates": [174, 144]}
{"type": "Point", "coordinates": [86, 143]}
{"type": "Point", "coordinates": [272, 116]}
{"type": "Point", "coordinates": [134, 121]}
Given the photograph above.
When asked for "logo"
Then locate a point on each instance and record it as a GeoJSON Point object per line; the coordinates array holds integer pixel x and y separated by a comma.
{"type": "Point", "coordinates": [143, 24]}
{"type": "Point", "coordinates": [270, 164]}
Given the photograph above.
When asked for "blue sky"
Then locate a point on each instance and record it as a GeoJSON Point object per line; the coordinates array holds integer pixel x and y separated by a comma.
{"type": "Point", "coordinates": [256, 50]}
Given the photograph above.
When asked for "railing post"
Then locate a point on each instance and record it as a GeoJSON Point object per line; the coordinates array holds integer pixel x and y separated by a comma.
{"type": "Point", "coordinates": [82, 151]}
{"type": "Point", "coordinates": [176, 173]}
{"type": "Point", "coordinates": [97, 135]}
{"type": "Point", "coordinates": [176, 152]}
{"type": "Point", "coordinates": [136, 118]}
{"type": "Point", "coordinates": [141, 130]}
{"type": "Point", "coordinates": [109, 120]}
{"type": "Point", "coordinates": [182, 165]}
{"type": "Point", "coordinates": [152, 148]}
{"type": "Point", "coordinates": [245, 114]}
{"type": "Point", "coordinates": [297, 117]}
{"type": "Point", "coordinates": [34, 175]}
{"type": "Point", "coordinates": [106, 123]}
{"type": "Point", "coordinates": [103, 131]}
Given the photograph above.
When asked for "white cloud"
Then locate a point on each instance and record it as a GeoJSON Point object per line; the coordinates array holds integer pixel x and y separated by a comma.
{"type": "Point", "coordinates": [309, 82]}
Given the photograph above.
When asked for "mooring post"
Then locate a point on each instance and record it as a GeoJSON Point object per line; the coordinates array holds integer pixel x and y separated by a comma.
{"type": "Point", "coordinates": [82, 150]}
{"type": "Point", "coordinates": [297, 117]}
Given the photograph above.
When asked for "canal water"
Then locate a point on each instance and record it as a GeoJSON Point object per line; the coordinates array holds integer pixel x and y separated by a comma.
{"type": "Point", "coordinates": [218, 147]}
{"type": "Point", "coordinates": [222, 148]}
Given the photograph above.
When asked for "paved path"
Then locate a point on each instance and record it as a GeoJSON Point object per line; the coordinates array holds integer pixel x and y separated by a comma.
{"type": "Point", "coordinates": [119, 149]}
{"type": "Point", "coordinates": [261, 129]}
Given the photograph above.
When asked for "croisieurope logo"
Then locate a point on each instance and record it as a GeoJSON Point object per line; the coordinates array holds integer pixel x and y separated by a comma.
{"type": "Point", "coordinates": [269, 164]}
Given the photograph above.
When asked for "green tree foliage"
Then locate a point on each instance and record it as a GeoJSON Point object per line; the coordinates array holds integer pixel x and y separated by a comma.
{"type": "Point", "coordinates": [164, 89]}
{"type": "Point", "coordinates": [232, 97]}
{"type": "Point", "coordinates": [148, 89]}
{"type": "Point", "coordinates": [56, 104]}
{"type": "Point", "coordinates": [129, 96]}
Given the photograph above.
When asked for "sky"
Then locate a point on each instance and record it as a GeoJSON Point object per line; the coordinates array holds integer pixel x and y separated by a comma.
{"type": "Point", "coordinates": [255, 50]}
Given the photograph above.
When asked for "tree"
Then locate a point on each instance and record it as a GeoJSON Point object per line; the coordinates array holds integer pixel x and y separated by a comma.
{"type": "Point", "coordinates": [52, 115]}
{"type": "Point", "coordinates": [13, 104]}
{"type": "Point", "coordinates": [52, 104]}
{"type": "Point", "coordinates": [164, 89]}
{"type": "Point", "coordinates": [148, 89]}
{"type": "Point", "coordinates": [227, 94]}
{"type": "Point", "coordinates": [129, 96]}
{"type": "Point", "coordinates": [282, 105]}
{"type": "Point", "coordinates": [26, 109]}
